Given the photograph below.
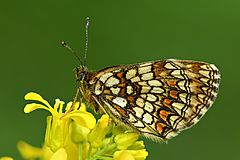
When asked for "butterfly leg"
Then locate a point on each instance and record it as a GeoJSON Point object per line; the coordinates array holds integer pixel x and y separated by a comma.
{"type": "Point", "coordinates": [72, 106]}
{"type": "Point", "coordinates": [75, 100]}
{"type": "Point", "coordinates": [80, 102]}
{"type": "Point", "coordinates": [100, 106]}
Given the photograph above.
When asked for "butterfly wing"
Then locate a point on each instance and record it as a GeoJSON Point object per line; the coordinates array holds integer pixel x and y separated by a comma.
{"type": "Point", "coordinates": [159, 99]}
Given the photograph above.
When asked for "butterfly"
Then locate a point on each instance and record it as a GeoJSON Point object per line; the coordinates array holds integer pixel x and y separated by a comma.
{"type": "Point", "coordinates": [158, 99]}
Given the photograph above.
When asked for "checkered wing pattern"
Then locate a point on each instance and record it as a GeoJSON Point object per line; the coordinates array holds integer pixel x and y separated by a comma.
{"type": "Point", "coordinates": [158, 99]}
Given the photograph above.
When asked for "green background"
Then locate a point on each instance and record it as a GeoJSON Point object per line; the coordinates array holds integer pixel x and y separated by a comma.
{"type": "Point", "coordinates": [121, 32]}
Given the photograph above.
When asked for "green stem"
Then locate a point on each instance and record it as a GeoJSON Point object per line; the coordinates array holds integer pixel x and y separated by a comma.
{"type": "Point", "coordinates": [89, 153]}
{"type": "Point", "coordinates": [81, 151]}
{"type": "Point", "coordinates": [103, 157]}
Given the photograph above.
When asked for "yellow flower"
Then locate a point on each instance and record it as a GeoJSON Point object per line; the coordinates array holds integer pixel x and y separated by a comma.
{"type": "Point", "coordinates": [130, 155]}
{"type": "Point", "coordinates": [74, 134]}
{"type": "Point", "coordinates": [30, 152]}
{"type": "Point", "coordinates": [124, 140]}
{"type": "Point", "coordinates": [99, 132]}
{"type": "Point", "coordinates": [60, 154]}
{"type": "Point", "coordinates": [6, 158]}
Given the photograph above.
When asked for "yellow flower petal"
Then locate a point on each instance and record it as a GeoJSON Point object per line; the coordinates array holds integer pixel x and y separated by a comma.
{"type": "Point", "coordinates": [33, 106]}
{"type": "Point", "coordinates": [33, 96]}
{"type": "Point", "coordinates": [82, 107]}
{"type": "Point", "coordinates": [124, 140]}
{"type": "Point", "coordinates": [36, 97]}
{"type": "Point", "coordinates": [79, 133]}
{"type": "Point", "coordinates": [139, 154]}
{"type": "Point", "coordinates": [6, 158]}
{"type": "Point", "coordinates": [28, 151]}
{"type": "Point", "coordinates": [83, 118]}
{"type": "Point", "coordinates": [104, 120]}
{"type": "Point", "coordinates": [57, 132]}
{"type": "Point", "coordinates": [58, 106]}
{"type": "Point", "coordinates": [60, 154]}
{"type": "Point", "coordinates": [130, 155]}
{"type": "Point", "coordinates": [123, 155]}
{"type": "Point", "coordinates": [72, 150]}
{"type": "Point", "coordinates": [68, 106]}
{"type": "Point", "coordinates": [99, 132]}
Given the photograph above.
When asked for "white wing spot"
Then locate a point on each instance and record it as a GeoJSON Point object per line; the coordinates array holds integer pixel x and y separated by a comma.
{"type": "Point", "coordinates": [147, 118]}
{"type": "Point", "coordinates": [181, 84]}
{"type": "Point", "coordinates": [143, 96]}
{"type": "Point", "coordinates": [151, 98]}
{"type": "Point", "coordinates": [132, 118]}
{"type": "Point", "coordinates": [135, 79]}
{"type": "Point", "coordinates": [183, 97]}
{"type": "Point", "coordinates": [131, 73]}
{"type": "Point", "coordinates": [157, 90]}
{"type": "Point", "coordinates": [115, 90]}
{"type": "Point", "coordinates": [204, 67]}
{"type": "Point", "coordinates": [147, 76]}
{"type": "Point", "coordinates": [98, 88]}
{"type": "Point", "coordinates": [205, 89]}
{"type": "Point", "coordinates": [202, 96]}
{"type": "Point", "coordinates": [204, 73]}
{"type": "Point", "coordinates": [177, 74]}
{"type": "Point", "coordinates": [122, 102]}
{"type": "Point", "coordinates": [143, 83]}
{"type": "Point", "coordinates": [129, 90]}
{"type": "Point", "coordinates": [139, 111]}
{"type": "Point", "coordinates": [105, 76]}
{"type": "Point", "coordinates": [154, 83]}
{"type": "Point", "coordinates": [148, 107]}
{"type": "Point", "coordinates": [169, 66]}
{"type": "Point", "coordinates": [178, 106]}
{"type": "Point", "coordinates": [140, 102]}
{"type": "Point", "coordinates": [112, 81]}
{"type": "Point", "coordinates": [145, 89]}
{"type": "Point", "coordinates": [142, 70]}
{"type": "Point", "coordinates": [214, 67]}
{"type": "Point", "coordinates": [204, 80]}
{"type": "Point", "coordinates": [173, 119]}
{"type": "Point", "coordinates": [146, 64]}
{"type": "Point", "coordinates": [189, 65]}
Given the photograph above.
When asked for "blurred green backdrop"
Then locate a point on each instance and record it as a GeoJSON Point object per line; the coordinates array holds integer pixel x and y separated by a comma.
{"type": "Point", "coordinates": [121, 32]}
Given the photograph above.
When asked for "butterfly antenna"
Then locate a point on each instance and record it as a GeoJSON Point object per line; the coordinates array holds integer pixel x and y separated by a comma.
{"type": "Point", "coordinates": [86, 41]}
{"type": "Point", "coordinates": [64, 44]}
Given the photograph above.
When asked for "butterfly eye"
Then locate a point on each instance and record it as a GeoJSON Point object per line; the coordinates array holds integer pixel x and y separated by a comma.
{"type": "Point", "coordinates": [81, 76]}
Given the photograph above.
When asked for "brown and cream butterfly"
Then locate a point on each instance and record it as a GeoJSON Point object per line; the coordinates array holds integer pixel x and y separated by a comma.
{"type": "Point", "coordinates": [158, 99]}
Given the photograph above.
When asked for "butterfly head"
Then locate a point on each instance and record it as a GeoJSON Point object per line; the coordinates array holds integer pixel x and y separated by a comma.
{"type": "Point", "coordinates": [81, 73]}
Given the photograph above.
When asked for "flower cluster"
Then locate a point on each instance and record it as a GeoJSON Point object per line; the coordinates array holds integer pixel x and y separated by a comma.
{"type": "Point", "coordinates": [72, 133]}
